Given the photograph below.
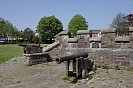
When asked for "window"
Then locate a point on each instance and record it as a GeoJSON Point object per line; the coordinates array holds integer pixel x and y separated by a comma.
{"type": "Point", "coordinates": [95, 44]}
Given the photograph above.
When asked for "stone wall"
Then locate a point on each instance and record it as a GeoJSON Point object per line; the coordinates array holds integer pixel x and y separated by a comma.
{"type": "Point", "coordinates": [108, 38]}
{"type": "Point", "coordinates": [36, 58]}
{"type": "Point", "coordinates": [106, 49]}
{"type": "Point", "coordinates": [112, 57]}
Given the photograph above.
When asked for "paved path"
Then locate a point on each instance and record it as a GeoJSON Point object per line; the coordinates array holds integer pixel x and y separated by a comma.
{"type": "Point", "coordinates": [14, 74]}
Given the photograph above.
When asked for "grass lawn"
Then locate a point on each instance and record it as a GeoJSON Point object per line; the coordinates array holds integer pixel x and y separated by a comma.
{"type": "Point", "coordinates": [10, 51]}
{"type": "Point", "coordinates": [44, 45]}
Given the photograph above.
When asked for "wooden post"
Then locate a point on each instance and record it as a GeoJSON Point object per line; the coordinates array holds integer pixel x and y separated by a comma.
{"type": "Point", "coordinates": [67, 68]}
{"type": "Point", "coordinates": [78, 67]}
{"type": "Point", "coordinates": [82, 63]}
{"type": "Point", "coordinates": [86, 65]}
{"type": "Point", "coordinates": [74, 65]}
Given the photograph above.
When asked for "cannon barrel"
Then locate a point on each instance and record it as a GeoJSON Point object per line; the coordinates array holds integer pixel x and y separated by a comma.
{"type": "Point", "coordinates": [71, 57]}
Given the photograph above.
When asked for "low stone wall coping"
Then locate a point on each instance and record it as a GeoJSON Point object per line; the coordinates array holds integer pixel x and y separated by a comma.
{"type": "Point", "coordinates": [122, 38]}
{"type": "Point", "coordinates": [94, 31]}
{"type": "Point", "coordinates": [36, 54]}
{"type": "Point", "coordinates": [72, 40]}
{"type": "Point", "coordinates": [95, 39]}
{"type": "Point", "coordinates": [83, 32]}
{"type": "Point", "coordinates": [108, 30]}
{"type": "Point", "coordinates": [130, 28]}
{"type": "Point", "coordinates": [45, 49]}
{"type": "Point", "coordinates": [65, 32]}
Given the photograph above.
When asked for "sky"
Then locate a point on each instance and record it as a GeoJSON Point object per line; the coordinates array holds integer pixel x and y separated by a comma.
{"type": "Point", "coordinates": [98, 13]}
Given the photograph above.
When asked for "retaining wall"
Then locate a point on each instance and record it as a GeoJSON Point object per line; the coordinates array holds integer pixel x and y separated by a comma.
{"type": "Point", "coordinates": [110, 49]}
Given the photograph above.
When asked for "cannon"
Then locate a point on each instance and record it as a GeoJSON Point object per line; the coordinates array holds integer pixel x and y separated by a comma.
{"type": "Point", "coordinates": [34, 54]}
{"type": "Point", "coordinates": [71, 57]}
{"type": "Point", "coordinates": [81, 65]}
{"type": "Point", "coordinates": [31, 48]}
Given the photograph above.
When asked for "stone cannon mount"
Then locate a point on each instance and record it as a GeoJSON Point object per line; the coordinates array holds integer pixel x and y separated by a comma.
{"type": "Point", "coordinates": [33, 54]}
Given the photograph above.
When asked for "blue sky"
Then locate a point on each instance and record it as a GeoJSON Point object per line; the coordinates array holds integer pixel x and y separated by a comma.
{"type": "Point", "coordinates": [99, 13]}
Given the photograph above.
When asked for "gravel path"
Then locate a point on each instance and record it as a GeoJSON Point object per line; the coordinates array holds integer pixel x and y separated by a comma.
{"type": "Point", "coordinates": [12, 62]}
{"type": "Point", "coordinates": [14, 74]}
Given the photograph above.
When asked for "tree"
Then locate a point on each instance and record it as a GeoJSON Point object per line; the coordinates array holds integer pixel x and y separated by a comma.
{"type": "Point", "coordinates": [3, 24]}
{"type": "Point", "coordinates": [48, 27]}
{"type": "Point", "coordinates": [28, 34]}
{"type": "Point", "coordinates": [120, 24]}
{"type": "Point", "coordinates": [78, 22]}
{"type": "Point", "coordinates": [36, 40]}
{"type": "Point", "coordinates": [7, 29]}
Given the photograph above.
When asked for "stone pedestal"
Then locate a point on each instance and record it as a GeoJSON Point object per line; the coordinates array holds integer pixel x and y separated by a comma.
{"type": "Point", "coordinates": [35, 58]}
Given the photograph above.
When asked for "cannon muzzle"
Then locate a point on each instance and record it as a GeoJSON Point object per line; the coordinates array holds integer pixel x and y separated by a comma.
{"type": "Point", "coordinates": [71, 57]}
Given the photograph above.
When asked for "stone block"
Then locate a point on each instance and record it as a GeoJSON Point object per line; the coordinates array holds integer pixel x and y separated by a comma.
{"type": "Point", "coordinates": [120, 55]}
{"type": "Point", "coordinates": [74, 45]}
{"type": "Point", "coordinates": [117, 46]}
{"type": "Point", "coordinates": [79, 32]}
{"type": "Point", "coordinates": [117, 62]}
{"type": "Point", "coordinates": [110, 46]}
{"type": "Point", "coordinates": [122, 38]}
{"type": "Point", "coordinates": [109, 62]}
{"type": "Point", "coordinates": [121, 58]}
{"type": "Point", "coordinates": [108, 30]}
{"type": "Point", "coordinates": [72, 40]}
{"type": "Point", "coordinates": [104, 46]}
{"type": "Point", "coordinates": [125, 63]}
{"type": "Point", "coordinates": [85, 43]}
{"type": "Point", "coordinates": [130, 29]}
{"type": "Point", "coordinates": [81, 46]}
{"type": "Point", "coordinates": [127, 56]}
{"type": "Point", "coordinates": [35, 58]}
{"type": "Point", "coordinates": [95, 39]}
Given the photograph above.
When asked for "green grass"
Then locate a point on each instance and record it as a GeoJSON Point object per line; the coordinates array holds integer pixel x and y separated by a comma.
{"type": "Point", "coordinates": [91, 76]}
{"type": "Point", "coordinates": [18, 81]}
{"type": "Point", "coordinates": [10, 51]}
{"type": "Point", "coordinates": [66, 78]}
{"type": "Point", "coordinates": [44, 45]}
{"type": "Point", "coordinates": [47, 64]}
{"type": "Point", "coordinates": [105, 67]}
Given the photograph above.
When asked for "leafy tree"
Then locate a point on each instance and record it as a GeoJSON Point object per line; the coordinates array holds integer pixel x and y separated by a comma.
{"type": "Point", "coordinates": [78, 22]}
{"type": "Point", "coordinates": [28, 34]}
{"type": "Point", "coordinates": [3, 24]}
{"type": "Point", "coordinates": [48, 27]}
{"type": "Point", "coordinates": [120, 24]}
{"type": "Point", "coordinates": [15, 32]}
{"type": "Point", "coordinates": [7, 29]}
{"type": "Point", "coordinates": [36, 40]}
